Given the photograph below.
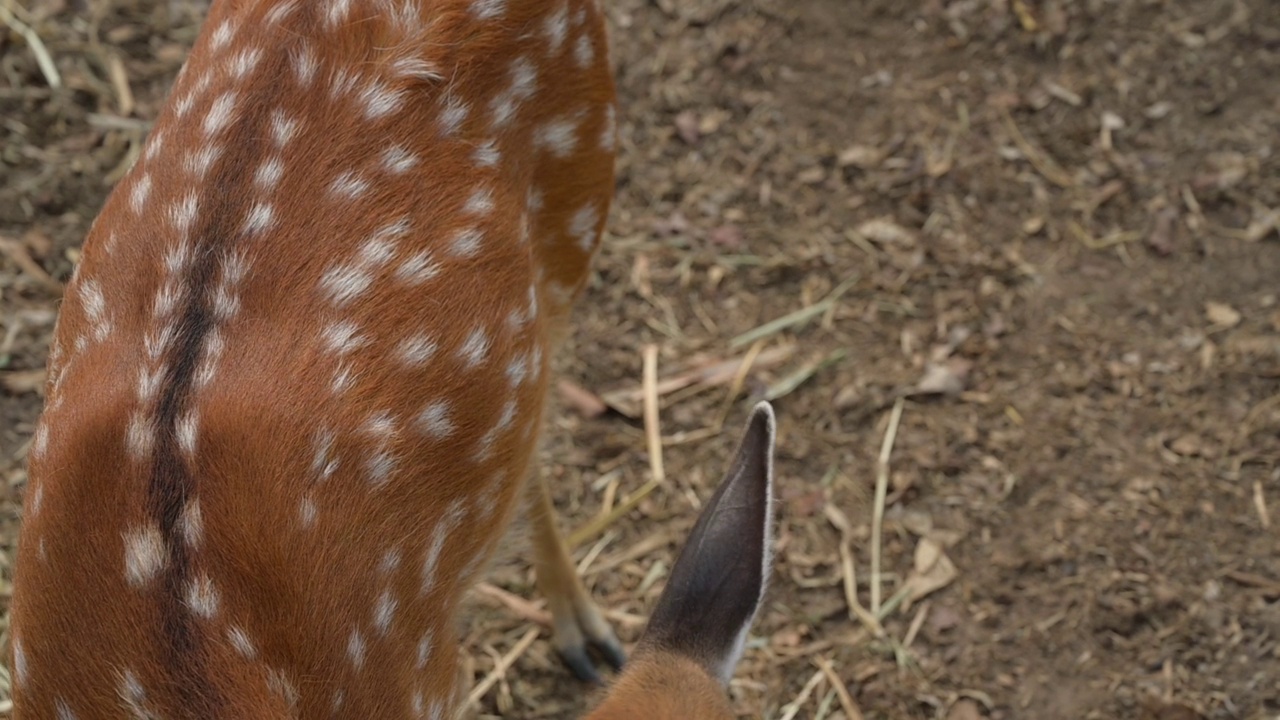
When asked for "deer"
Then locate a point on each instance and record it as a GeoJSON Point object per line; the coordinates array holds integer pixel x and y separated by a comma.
{"type": "Point", "coordinates": [300, 372]}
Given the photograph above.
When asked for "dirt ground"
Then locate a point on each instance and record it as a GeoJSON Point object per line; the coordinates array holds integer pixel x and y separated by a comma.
{"type": "Point", "coordinates": [1045, 230]}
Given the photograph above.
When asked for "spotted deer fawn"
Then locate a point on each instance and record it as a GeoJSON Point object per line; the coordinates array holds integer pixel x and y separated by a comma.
{"type": "Point", "coordinates": [298, 380]}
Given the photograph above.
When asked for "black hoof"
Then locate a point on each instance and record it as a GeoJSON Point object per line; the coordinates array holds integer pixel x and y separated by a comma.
{"type": "Point", "coordinates": [611, 650]}
{"type": "Point", "coordinates": [581, 665]}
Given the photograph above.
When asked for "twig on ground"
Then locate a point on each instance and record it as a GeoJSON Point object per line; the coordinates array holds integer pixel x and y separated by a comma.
{"type": "Point", "coordinates": [43, 59]}
{"type": "Point", "coordinates": [851, 709]}
{"type": "Point", "coordinates": [798, 317]}
{"type": "Point", "coordinates": [792, 708]}
{"type": "Point", "coordinates": [882, 485]}
{"type": "Point", "coordinates": [500, 668]}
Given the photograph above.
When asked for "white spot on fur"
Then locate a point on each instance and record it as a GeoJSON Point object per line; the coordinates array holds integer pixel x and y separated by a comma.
{"type": "Point", "coordinates": [307, 512]}
{"type": "Point", "coordinates": [609, 135]}
{"type": "Point", "coordinates": [140, 436]}
{"type": "Point", "coordinates": [337, 12]}
{"type": "Point", "coordinates": [447, 522]}
{"type": "Point", "coordinates": [397, 160]}
{"type": "Point", "coordinates": [452, 116]}
{"type": "Point", "coordinates": [486, 154]}
{"type": "Point", "coordinates": [280, 12]}
{"type": "Point", "coordinates": [64, 712]}
{"type": "Point", "coordinates": [559, 137]}
{"type": "Point", "coordinates": [213, 348]}
{"type": "Point", "coordinates": [475, 349]}
{"type": "Point", "coordinates": [384, 612]}
{"type": "Point", "coordinates": [390, 561]}
{"type": "Point", "coordinates": [149, 382]}
{"type": "Point", "coordinates": [269, 173]}
{"type": "Point", "coordinates": [278, 683]}
{"type": "Point", "coordinates": [192, 524]}
{"type": "Point", "coordinates": [198, 162]}
{"type": "Point", "coordinates": [239, 640]}
{"type": "Point", "coordinates": [37, 499]}
{"type": "Point", "coordinates": [356, 649]}
{"type": "Point", "coordinates": [480, 202]}
{"type": "Point", "coordinates": [435, 420]}
{"type": "Point", "coordinates": [342, 82]}
{"type": "Point", "coordinates": [380, 100]}
{"type": "Point", "coordinates": [260, 218]}
{"type": "Point", "coordinates": [485, 9]}
{"type": "Point", "coordinates": [583, 226]}
{"type": "Point", "coordinates": [466, 243]}
{"type": "Point", "coordinates": [416, 350]}
{"type": "Point", "coordinates": [283, 128]}
{"type": "Point", "coordinates": [346, 283]}
{"type": "Point", "coordinates": [225, 303]}
{"type": "Point", "coordinates": [182, 214]}
{"type": "Point", "coordinates": [222, 35]}
{"type": "Point", "coordinates": [133, 694]}
{"type": "Point", "coordinates": [20, 667]}
{"type": "Point", "coordinates": [343, 379]}
{"type": "Point", "coordinates": [584, 50]}
{"type": "Point", "coordinates": [343, 337]}
{"type": "Point", "coordinates": [417, 68]}
{"type": "Point", "coordinates": [505, 418]}
{"type": "Point", "coordinates": [202, 597]}
{"type": "Point", "coordinates": [418, 269]}
{"type": "Point", "coordinates": [304, 65]}
{"type": "Point", "coordinates": [166, 301]}
{"type": "Point", "coordinates": [349, 185]}
{"type": "Point", "coordinates": [138, 196]}
{"type": "Point", "coordinates": [220, 113]}
{"type": "Point", "coordinates": [95, 306]}
{"type": "Point", "coordinates": [177, 258]}
{"type": "Point", "coordinates": [145, 555]}
{"type": "Point", "coordinates": [244, 62]}
{"type": "Point", "coordinates": [556, 27]}
{"type": "Point", "coordinates": [187, 431]}
{"type": "Point", "coordinates": [425, 645]}
{"type": "Point", "coordinates": [380, 466]}
{"type": "Point", "coordinates": [523, 81]}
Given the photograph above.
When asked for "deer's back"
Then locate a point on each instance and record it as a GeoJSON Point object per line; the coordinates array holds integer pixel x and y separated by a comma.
{"type": "Point", "coordinates": [302, 363]}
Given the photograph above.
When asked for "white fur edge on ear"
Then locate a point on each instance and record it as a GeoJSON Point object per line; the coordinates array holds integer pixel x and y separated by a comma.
{"type": "Point", "coordinates": [725, 672]}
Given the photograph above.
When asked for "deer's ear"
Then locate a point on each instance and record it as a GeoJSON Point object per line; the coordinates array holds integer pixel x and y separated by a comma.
{"type": "Point", "coordinates": [718, 582]}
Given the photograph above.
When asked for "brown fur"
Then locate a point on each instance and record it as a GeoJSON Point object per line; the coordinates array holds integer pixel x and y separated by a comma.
{"type": "Point", "coordinates": [299, 592]}
{"type": "Point", "coordinates": [662, 686]}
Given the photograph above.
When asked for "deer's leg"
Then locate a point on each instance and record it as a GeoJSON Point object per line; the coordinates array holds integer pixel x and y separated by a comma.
{"type": "Point", "coordinates": [578, 622]}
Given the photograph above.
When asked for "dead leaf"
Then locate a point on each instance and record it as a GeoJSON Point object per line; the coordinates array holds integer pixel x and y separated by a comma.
{"type": "Point", "coordinates": [863, 157]}
{"type": "Point", "coordinates": [965, 709]}
{"type": "Point", "coordinates": [1190, 445]}
{"type": "Point", "coordinates": [587, 403]}
{"type": "Point", "coordinates": [944, 378]}
{"type": "Point", "coordinates": [886, 232]}
{"type": "Point", "coordinates": [726, 236]}
{"type": "Point", "coordinates": [1221, 314]}
{"type": "Point", "coordinates": [1226, 170]}
{"type": "Point", "coordinates": [1154, 708]}
{"type": "Point", "coordinates": [675, 224]}
{"type": "Point", "coordinates": [687, 127]}
{"type": "Point", "coordinates": [1263, 225]}
{"type": "Point", "coordinates": [812, 176]}
{"type": "Point", "coordinates": [1160, 239]}
{"type": "Point", "coordinates": [932, 571]}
